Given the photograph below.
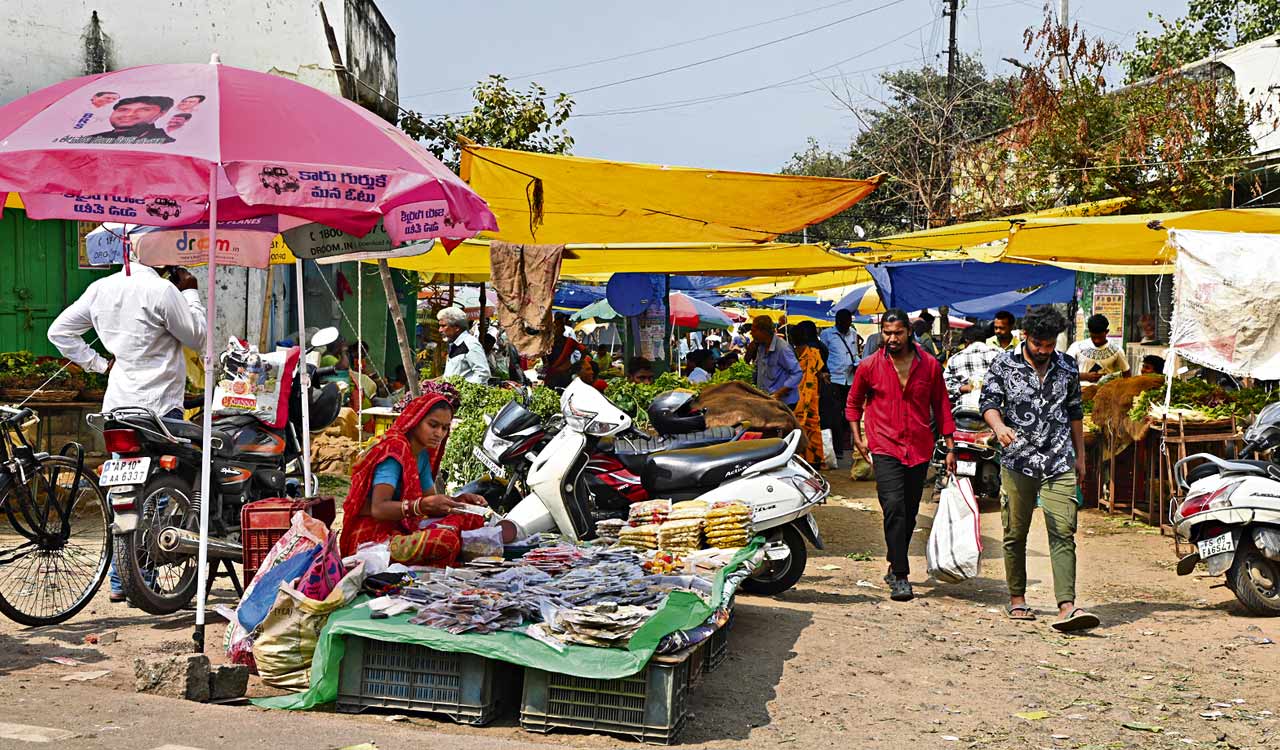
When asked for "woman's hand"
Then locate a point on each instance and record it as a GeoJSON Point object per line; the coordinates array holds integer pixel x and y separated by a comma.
{"type": "Point", "coordinates": [468, 498]}
{"type": "Point", "coordinates": [435, 506]}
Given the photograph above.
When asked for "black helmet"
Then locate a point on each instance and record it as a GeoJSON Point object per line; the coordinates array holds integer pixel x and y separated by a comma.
{"type": "Point", "coordinates": [672, 413]}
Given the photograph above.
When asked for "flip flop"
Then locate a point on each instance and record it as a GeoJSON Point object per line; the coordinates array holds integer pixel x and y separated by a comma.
{"type": "Point", "coordinates": [1020, 612]}
{"type": "Point", "coordinates": [1076, 621]}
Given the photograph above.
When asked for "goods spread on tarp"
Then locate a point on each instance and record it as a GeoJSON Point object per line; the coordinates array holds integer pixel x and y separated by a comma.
{"type": "Point", "coordinates": [586, 610]}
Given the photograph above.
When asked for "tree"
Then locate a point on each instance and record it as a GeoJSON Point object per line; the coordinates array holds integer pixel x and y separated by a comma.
{"type": "Point", "coordinates": [502, 117]}
{"type": "Point", "coordinates": [1169, 144]}
{"type": "Point", "coordinates": [1209, 26]}
{"type": "Point", "coordinates": [910, 135]}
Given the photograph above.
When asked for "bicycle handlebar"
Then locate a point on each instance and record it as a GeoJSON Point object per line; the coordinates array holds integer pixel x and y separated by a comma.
{"type": "Point", "coordinates": [16, 415]}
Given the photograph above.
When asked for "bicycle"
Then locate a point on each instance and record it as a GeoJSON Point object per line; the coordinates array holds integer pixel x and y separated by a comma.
{"type": "Point", "coordinates": [55, 528]}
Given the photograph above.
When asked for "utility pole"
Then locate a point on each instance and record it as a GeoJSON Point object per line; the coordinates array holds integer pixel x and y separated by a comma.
{"type": "Point", "coordinates": [951, 9]}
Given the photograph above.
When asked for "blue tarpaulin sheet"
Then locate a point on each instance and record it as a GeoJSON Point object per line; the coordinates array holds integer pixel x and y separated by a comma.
{"type": "Point", "coordinates": [919, 285]}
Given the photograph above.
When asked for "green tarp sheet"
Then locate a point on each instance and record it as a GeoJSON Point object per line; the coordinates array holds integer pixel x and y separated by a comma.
{"type": "Point", "coordinates": [682, 611]}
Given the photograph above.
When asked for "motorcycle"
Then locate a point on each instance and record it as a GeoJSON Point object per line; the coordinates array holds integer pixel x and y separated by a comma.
{"type": "Point", "coordinates": [1231, 513]}
{"type": "Point", "coordinates": [515, 435]}
{"type": "Point", "coordinates": [977, 451]}
{"type": "Point", "coordinates": [767, 475]}
{"type": "Point", "coordinates": [153, 481]}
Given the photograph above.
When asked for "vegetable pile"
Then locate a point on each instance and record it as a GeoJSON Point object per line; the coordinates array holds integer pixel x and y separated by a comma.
{"type": "Point", "coordinates": [468, 429]}
{"type": "Point", "coordinates": [1204, 398]}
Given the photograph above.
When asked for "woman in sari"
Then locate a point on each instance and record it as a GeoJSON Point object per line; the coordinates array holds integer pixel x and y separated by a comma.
{"type": "Point", "coordinates": [804, 339]}
{"type": "Point", "coordinates": [393, 495]}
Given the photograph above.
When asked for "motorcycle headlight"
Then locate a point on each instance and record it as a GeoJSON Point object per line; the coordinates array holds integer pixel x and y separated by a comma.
{"type": "Point", "coordinates": [493, 445]}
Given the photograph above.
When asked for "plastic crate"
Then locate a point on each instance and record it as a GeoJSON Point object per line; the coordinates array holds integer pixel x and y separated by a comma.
{"type": "Point", "coordinates": [467, 688]}
{"type": "Point", "coordinates": [650, 705]}
{"type": "Point", "coordinates": [263, 522]}
{"type": "Point", "coordinates": [718, 645]}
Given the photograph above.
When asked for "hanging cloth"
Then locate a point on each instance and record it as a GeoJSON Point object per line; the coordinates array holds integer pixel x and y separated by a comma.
{"type": "Point", "coordinates": [524, 277]}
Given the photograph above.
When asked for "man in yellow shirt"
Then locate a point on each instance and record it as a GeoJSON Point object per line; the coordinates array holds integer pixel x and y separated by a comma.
{"type": "Point", "coordinates": [1004, 339]}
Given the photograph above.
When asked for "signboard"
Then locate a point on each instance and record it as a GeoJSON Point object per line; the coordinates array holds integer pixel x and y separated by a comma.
{"type": "Point", "coordinates": [1108, 300]}
{"type": "Point", "coordinates": [316, 242]}
{"type": "Point", "coordinates": [86, 263]}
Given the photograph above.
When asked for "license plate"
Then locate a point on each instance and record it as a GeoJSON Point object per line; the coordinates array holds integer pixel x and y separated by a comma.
{"type": "Point", "coordinates": [124, 471]}
{"type": "Point", "coordinates": [966, 468]}
{"type": "Point", "coordinates": [489, 463]}
{"type": "Point", "coordinates": [1217, 545]}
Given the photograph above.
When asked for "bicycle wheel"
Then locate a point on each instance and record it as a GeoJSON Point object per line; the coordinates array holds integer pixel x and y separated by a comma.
{"type": "Point", "coordinates": [55, 543]}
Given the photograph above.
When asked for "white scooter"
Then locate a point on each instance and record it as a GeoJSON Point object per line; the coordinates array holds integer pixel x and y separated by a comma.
{"type": "Point", "coordinates": [1232, 514]}
{"type": "Point", "coordinates": [780, 487]}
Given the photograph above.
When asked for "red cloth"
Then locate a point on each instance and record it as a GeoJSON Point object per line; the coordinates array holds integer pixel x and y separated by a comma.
{"type": "Point", "coordinates": [898, 421]}
{"type": "Point", "coordinates": [437, 546]}
{"type": "Point", "coordinates": [358, 529]}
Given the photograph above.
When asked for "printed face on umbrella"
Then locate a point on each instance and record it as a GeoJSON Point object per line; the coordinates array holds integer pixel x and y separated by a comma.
{"type": "Point", "coordinates": [189, 103]}
{"type": "Point", "coordinates": [104, 99]}
{"type": "Point", "coordinates": [141, 111]}
{"type": "Point", "coordinates": [176, 122]}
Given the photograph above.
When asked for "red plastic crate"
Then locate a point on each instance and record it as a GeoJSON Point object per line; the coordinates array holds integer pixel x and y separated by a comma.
{"type": "Point", "coordinates": [263, 522]}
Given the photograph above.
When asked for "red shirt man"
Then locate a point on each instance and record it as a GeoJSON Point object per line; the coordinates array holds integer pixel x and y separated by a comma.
{"type": "Point", "coordinates": [900, 392]}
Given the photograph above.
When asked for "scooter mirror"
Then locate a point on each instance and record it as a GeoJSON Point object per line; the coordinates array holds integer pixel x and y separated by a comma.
{"type": "Point", "coordinates": [324, 337]}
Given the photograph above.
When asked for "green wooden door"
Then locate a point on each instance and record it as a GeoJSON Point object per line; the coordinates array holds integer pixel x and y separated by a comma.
{"type": "Point", "coordinates": [39, 277]}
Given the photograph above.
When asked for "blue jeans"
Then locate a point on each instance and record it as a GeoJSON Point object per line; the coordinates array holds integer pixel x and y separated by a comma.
{"type": "Point", "coordinates": [117, 587]}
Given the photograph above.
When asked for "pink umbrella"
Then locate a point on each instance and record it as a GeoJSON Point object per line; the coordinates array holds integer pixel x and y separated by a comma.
{"type": "Point", "coordinates": [185, 143]}
{"type": "Point", "coordinates": [690, 312]}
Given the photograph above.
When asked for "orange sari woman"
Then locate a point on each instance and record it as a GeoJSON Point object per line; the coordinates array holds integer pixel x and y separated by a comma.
{"type": "Point", "coordinates": [804, 338]}
{"type": "Point", "coordinates": [393, 496]}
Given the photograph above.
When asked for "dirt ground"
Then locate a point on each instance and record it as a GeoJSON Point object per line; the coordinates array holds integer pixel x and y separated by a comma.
{"type": "Point", "coordinates": [832, 663]}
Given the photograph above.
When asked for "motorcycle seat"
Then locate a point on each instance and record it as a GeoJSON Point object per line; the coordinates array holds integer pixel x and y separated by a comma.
{"type": "Point", "coordinates": [1208, 469]}
{"type": "Point", "coordinates": [195, 433]}
{"type": "Point", "coordinates": [633, 452]}
{"type": "Point", "coordinates": [706, 467]}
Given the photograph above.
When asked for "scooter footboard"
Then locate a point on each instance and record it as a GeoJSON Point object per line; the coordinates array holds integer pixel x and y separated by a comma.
{"type": "Point", "coordinates": [531, 517]}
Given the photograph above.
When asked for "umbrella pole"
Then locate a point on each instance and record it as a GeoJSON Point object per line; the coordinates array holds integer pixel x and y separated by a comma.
{"type": "Point", "coordinates": [360, 351]}
{"type": "Point", "coordinates": [206, 446]}
{"type": "Point", "coordinates": [304, 382]}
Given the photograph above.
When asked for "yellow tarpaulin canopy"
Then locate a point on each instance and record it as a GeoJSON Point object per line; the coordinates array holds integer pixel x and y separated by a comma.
{"type": "Point", "coordinates": [1133, 244]}
{"type": "Point", "coordinates": [599, 201]}
{"type": "Point", "coordinates": [941, 243]}
{"type": "Point", "coordinates": [469, 262]}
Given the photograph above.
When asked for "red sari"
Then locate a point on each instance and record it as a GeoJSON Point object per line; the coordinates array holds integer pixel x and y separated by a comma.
{"type": "Point", "coordinates": [438, 545]}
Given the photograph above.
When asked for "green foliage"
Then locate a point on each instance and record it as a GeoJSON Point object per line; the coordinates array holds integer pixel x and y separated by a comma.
{"type": "Point", "coordinates": [909, 136]}
{"type": "Point", "coordinates": [468, 430]}
{"type": "Point", "coordinates": [1210, 400]}
{"type": "Point", "coordinates": [502, 117]}
{"type": "Point", "coordinates": [1209, 26]}
{"type": "Point", "coordinates": [15, 364]}
{"type": "Point", "coordinates": [1169, 145]}
{"type": "Point", "coordinates": [634, 398]}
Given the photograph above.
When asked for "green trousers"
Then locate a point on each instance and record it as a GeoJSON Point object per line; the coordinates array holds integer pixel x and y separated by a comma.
{"type": "Point", "coordinates": [1057, 497]}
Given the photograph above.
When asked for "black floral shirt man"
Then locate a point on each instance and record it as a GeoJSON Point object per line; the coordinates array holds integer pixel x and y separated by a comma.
{"type": "Point", "coordinates": [1040, 413]}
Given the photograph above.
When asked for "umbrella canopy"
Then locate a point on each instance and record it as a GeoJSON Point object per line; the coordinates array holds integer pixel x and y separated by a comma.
{"type": "Point", "coordinates": [689, 312]}
{"type": "Point", "coordinates": [686, 312]}
{"type": "Point", "coordinates": [270, 144]}
{"type": "Point", "coordinates": [863, 299]}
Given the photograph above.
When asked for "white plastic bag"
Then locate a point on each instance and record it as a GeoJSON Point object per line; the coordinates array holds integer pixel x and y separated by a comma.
{"type": "Point", "coordinates": [954, 551]}
{"type": "Point", "coordinates": [828, 450]}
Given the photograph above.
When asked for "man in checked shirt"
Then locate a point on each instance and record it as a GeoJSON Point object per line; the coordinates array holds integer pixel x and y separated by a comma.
{"type": "Point", "coordinates": [966, 370]}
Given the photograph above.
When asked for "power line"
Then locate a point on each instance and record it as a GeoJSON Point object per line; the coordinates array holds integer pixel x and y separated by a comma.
{"type": "Point", "coordinates": [637, 53]}
{"type": "Point", "coordinates": [680, 103]}
{"type": "Point", "coordinates": [737, 52]}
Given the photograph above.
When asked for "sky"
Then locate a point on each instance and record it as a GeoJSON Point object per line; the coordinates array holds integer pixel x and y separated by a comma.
{"type": "Point", "coordinates": [754, 77]}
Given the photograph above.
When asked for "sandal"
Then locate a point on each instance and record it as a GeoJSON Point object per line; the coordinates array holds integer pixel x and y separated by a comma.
{"type": "Point", "coordinates": [1020, 612]}
{"type": "Point", "coordinates": [1076, 621]}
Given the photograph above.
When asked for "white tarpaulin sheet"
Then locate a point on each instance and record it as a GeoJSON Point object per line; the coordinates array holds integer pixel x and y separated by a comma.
{"type": "Point", "coordinates": [1226, 301]}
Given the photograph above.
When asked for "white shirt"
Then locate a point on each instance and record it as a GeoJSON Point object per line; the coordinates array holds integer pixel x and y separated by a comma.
{"type": "Point", "coordinates": [699, 375]}
{"type": "Point", "coordinates": [1108, 358]}
{"type": "Point", "coordinates": [144, 321]}
{"type": "Point", "coordinates": [467, 360]}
